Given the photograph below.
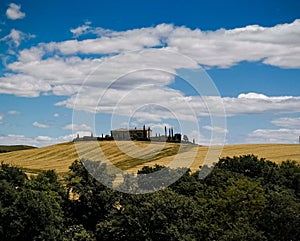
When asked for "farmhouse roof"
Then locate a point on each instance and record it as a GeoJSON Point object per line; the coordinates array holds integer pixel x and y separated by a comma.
{"type": "Point", "coordinates": [132, 129]}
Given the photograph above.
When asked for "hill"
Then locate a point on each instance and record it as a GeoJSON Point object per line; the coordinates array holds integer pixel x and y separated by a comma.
{"type": "Point", "coordinates": [132, 156]}
{"type": "Point", "coordinates": [4, 148]}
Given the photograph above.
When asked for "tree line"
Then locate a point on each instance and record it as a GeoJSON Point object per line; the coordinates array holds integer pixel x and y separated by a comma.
{"type": "Point", "coordinates": [243, 198]}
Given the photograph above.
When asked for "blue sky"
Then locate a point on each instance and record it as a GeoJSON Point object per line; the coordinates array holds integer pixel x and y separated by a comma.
{"type": "Point", "coordinates": [61, 63]}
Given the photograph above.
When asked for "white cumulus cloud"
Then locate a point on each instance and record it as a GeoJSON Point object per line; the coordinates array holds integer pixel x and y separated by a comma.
{"type": "Point", "coordinates": [123, 81]}
{"type": "Point", "coordinates": [255, 103]}
{"type": "Point", "coordinates": [23, 85]}
{"type": "Point", "coordinates": [278, 45]}
{"type": "Point", "coordinates": [14, 12]}
{"type": "Point", "coordinates": [56, 67]}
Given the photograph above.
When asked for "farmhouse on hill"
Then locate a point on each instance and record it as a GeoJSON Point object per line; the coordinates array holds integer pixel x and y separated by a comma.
{"type": "Point", "coordinates": [135, 134]}
{"type": "Point", "coordinates": [131, 134]}
{"type": "Point", "coordinates": [143, 134]}
{"type": "Point", "coordinates": [85, 138]}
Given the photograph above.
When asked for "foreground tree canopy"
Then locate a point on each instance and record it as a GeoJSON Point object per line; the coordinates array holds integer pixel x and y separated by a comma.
{"type": "Point", "coordinates": [243, 198]}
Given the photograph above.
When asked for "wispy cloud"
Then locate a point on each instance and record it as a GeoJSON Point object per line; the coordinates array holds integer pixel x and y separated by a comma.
{"type": "Point", "coordinates": [281, 135]}
{"type": "Point", "coordinates": [76, 127]}
{"type": "Point", "coordinates": [215, 129]}
{"type": "Point", "coordinates": [39, 141]}
{"type": "Point", "coordinates": [13, 112]}
{"type": "Point", "coordinates": [15, 37]}
{"type": "Point", "coordinates": [14, 12]}
{"type": "Point", "coordinates": [288, 132]}
{"type": "Point", "coordinates": [83, 29]}
{"type": "Point", "coordinates": [287, 122]}
{"type": "Point", "coordinates": [40, 125]}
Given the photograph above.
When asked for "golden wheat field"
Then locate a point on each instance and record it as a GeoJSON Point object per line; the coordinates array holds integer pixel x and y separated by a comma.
{"type": "Point", "coordinates": [132, 156]}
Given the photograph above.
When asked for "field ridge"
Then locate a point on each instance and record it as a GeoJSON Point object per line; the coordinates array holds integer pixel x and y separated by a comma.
{"type": "Point", "coordinates": [131, 156]}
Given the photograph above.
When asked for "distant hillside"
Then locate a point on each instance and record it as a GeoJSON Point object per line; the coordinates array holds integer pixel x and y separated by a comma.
{"type": "Point", "coordinates": [132, 156]}
{"type": "Point", "coordinates": [10, 148]}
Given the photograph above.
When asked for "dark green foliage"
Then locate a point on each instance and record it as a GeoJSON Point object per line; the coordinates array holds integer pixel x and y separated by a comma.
{"type": "Point", "coordinates": [48, 181]}
{"type": "Point", "coordinates": [281, 217]}
{"type": "Point", "coordinates": [29, 209]}
{"type": "Point", "coordinates": [77, 233]}
{"type": "Point", "coordinates": [13, 175]}
{"type": "Point", "coordinates": [290, 176]}
{"type": "Point", "coordinates": [188, 184]}
{"type": "Point", "coordinates": [250, 166]}
{"type": "Point", "coordinates": [39, 214]}
{"type": "Point", "coordinates": [163, 215]}
{"type": "Point", "coordinates": [94, 199]}
{"type": "Point", "coordinates": [243, 198]}
{"type": "Point", "coordinates": [270, 174]}
{"type": "Point", "coordinates": [157, 177]}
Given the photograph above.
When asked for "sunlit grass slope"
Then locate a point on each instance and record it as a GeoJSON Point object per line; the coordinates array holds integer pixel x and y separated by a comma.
{"type": "Point", "coordinates": [131, 156]}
